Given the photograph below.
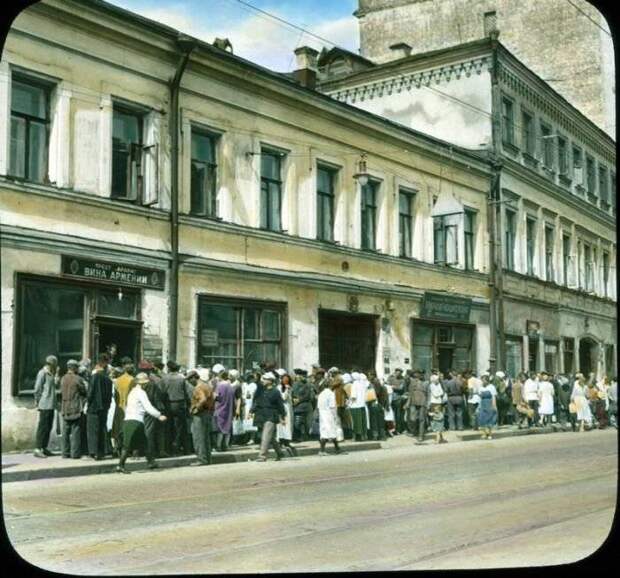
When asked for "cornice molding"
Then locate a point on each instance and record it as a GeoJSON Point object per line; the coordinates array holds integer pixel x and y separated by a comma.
{"type": "Point", "coordinates": [411, 81]}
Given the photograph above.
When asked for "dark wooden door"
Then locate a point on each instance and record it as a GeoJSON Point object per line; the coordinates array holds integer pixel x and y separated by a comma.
{"type": "Point", "coordinates": [347, 341]}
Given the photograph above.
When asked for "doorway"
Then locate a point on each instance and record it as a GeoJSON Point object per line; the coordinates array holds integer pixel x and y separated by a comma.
{"type": "Point", "coordinates": [119, 339]}
{"type": "Point", "coordinates": [588, 354]}
{"type": "Point", "coordinates": [347, 341]}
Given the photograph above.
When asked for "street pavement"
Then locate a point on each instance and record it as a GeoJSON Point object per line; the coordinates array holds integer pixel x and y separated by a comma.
{"type": "Point", "coordinates": [519, 501]}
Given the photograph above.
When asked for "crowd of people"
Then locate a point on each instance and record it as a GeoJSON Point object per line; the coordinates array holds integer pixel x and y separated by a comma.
{"type": "Point", "coordinates": [159, 411]}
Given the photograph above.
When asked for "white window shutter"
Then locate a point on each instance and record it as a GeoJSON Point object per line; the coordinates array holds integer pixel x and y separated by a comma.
{"type": "Point", "coordinates": [572, 273]}
{"type": "Point", "coordinates": [452, 248]}
{"type": "Point", "coordinates": [151, 158]}
{"type": "Point", "coordinates": [5, 116]}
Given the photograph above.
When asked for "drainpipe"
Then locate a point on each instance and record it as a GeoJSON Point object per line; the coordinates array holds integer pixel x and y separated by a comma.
{"type": "Point", "coordinates": [496, 282]}
{"type": "Point", "coordinates": [186, 45]}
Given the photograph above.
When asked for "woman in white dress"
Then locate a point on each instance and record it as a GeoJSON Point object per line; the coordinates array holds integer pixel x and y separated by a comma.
{"type": "Point", "coordinates": [329, 424]}
{"type": "Point", "coordinates": [545, 397]}
{"type": "Point", "coordinates": [578, 397]}
{"type": "Point", "coordinates": [248, 389]}
{"type": "Point", "coordinates": [388, 411]}
{"type": "Point", "coordinates": [285, 432]}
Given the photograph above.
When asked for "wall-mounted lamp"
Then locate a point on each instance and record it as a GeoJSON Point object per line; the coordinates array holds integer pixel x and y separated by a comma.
{"type": "Point", "coordinates": [120, 294]}
{"type": "Point", "coordinates": [362, 176]}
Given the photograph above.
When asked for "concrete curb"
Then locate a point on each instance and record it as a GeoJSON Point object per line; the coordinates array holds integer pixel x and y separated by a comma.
{"type": "Point", "coordinates": [87, 468]}
{"type": "Point", "coordinates": [499, 434]}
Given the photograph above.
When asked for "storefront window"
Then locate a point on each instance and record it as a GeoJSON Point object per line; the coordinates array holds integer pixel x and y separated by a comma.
{"type": "Point", "coordinates": [441, 346]}
{"type": "Point", "coordinates": [238, 335]}
{"type": "Point", "coordinates": [514, 356]}
{"type": "Point", "coordinates": [52, 323]}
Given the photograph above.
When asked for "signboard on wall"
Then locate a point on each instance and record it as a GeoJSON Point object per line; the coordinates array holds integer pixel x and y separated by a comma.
{"type": "Point", "coordinates": [115, 273]}
{"type": "Point", "coordinates": [445, 307]}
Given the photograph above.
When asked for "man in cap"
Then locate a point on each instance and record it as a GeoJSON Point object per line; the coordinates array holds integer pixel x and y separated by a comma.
{"type": "Point", "coordinates": [267, 411]}
{"type": "Point", "coordinates": [455, 401]}
{"type": "Point", "coordinates": [174, 389]}
{"type": "Point", "coordinates": [45, 398]}
{"type": "Point", "coordinates": [99, 398]}
{"type": "Point", "coordinates": [417, 403]}
{"type": "Point", "coordinates": [73, 397]}
{"type": "Point", "coordinates": [397, 382]}
{"type": "Point", "coordinates": [201, 409]}
{"type": "Point", "coordinates": [302, 405]}
{"type": "Point", "coordinates": [154, 429]}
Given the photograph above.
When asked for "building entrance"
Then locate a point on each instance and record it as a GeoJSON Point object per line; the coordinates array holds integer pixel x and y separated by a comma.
{"type": "Point", "coordinates": [347, 341]}
{"type": "Point", "coordinates": [118, 339]}
{"type": "Point", "coordinates": [588, 353]}
{"type": "Point", "coordinates": [441, 346]}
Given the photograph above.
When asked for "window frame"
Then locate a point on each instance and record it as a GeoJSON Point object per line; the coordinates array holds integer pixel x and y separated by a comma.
{"type": "Point", "coordinates": [136, 153]}
{"type": "Point", "coordinates": [510, 237]}
{"type": "Point", "coordinates": [546, 139]}
{"type": "Point", "coordinates": [369, 209]}
{"type": "Point", "coordinates": [47, 86]}
{"type": "Point", "coordinates": [566, 258]}
{"type": "Point", "coordinates": [405, 249]}
{"type": "Point", "coordinates": [591, 178]}
{"type": "Point", "coordinates": [469, 239]}
{"type": "Point", "coordinates": [603, 186]}
{"type": "Point", "coordinates": [530, 243]}
{"type": "Point", "coordinates": [549, 264]}
{"type": "Point", "coordinates": [563, 164]}
{"type": "Point", "coordinates": [508, 122]}
{"type": "Point", "coordinates": [265, 190]}
{"type": "Point", "coordinates": [579, 182]}
{"type": "Point", "coordinates": [211, 212]}
{"type": "Point", "coordinates": [528, 134]}
{"type": "Point", "coordinates": [331, 202]}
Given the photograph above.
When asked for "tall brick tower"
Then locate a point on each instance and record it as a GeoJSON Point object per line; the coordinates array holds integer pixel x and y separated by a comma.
{"type": "Point", "coordinates": [567, 43]}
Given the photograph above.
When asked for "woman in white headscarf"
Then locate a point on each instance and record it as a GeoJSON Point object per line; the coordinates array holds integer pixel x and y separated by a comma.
{"type": "Point", "coordinates": [285, 431]}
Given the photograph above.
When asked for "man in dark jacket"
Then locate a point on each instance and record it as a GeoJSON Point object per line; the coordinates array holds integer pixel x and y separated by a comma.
{"type": "Point", "coordinates": [397, 382]}
{"type": "Point", "coordinates": [302, 405]}
{"type": "Point", "coordinates": [268, 410]}
{"type": "Point", "coordinates": [454, 388]}
{"type": "Point", "coordinates": [99, 398]}
{"type": "Point", "coordinates": [417, 403]}
{"type": "Point", "coordinates": [73, 396]}
{"type": "Point", "coordinates": [154, 429]}
{"type": "Point", "coordinates": [174, 389]}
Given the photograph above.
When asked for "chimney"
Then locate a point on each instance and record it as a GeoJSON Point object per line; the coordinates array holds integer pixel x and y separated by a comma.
{"type": "Point", "coordinates": [307, 63]}
{"type": "Point", "coordinates": [400, 50]}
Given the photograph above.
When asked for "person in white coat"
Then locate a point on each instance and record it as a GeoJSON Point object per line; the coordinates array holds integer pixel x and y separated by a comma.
{"type": "Point", "coordinates": [578, 398]}
{"type": "Point", "coordinates": [545, 397]}
{"type": "Point", "coordinates": [134, 437]}
{"type": "Point", "coordinates": [329, 424]}
{"type": "Point", "coordinates": [284, 431]}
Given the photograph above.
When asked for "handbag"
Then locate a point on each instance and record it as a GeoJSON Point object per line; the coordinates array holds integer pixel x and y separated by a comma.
{"type": "Point", "coordinates": [237, 427]}
{"type": "Point", "coordinates": [339, 434]}
{"type": "Point", "coordinates": [572, 407]}
{"type": "Point", "coordinates": [371, 395]}
{"type": "Point", "coordinates": [248, 426]}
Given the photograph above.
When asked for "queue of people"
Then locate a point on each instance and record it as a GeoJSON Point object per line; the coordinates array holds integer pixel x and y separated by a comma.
{"type": "Point", "coordinates": [162, 411]}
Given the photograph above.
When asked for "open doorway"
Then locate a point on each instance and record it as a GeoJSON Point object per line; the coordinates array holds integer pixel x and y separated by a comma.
{"type": "Point", "coordinates": [588, 354]}
{"type": "Point", "coordinates": [118, 339]}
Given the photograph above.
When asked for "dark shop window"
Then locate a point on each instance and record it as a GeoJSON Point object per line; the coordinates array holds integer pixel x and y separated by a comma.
{"type": "Point", "coordinates": [271, 190]}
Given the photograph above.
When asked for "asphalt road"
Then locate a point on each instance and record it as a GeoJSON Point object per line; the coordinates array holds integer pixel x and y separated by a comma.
{"type": "Point", "coordinates": [521, 501]}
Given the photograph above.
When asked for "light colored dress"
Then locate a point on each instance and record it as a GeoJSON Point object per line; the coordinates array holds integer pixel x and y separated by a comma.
{"type": "Point", "coordinates": [545, 392]}
{"type": "Point", "coordinates": [328, 415]}
{"type": "Point", "coordinates": [285, 432]}
{"type": "Point", "coordinates": [389, 412]}
{"type": "Point", "coordinates": [578, 397]}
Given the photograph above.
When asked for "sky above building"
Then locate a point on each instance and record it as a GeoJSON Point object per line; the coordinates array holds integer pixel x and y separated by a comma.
{"type": "Point", "coordinates": [255, 35]}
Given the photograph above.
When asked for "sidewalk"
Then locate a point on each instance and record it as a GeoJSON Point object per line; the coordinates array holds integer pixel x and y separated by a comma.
{"type": "Point", "coordinates": [19, 467]}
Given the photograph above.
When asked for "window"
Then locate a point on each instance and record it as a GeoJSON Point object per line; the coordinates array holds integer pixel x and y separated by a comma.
{"type": "Point", "coordinates": [530, 243]}
{"type": "Point", "coordinates": [587, 257]}
{"type": "Point", "coordinates": [547, 146]}
{"type": "Point", "coordinates": [203, 175]}
{"type": "Point", "coordinates": [510, 237]}
{"type": "Point", "coordinates": [580, 275]}
{"type": "Point", "coordinates": [29, 129]}
{"type": "Point", "coordinates": [551, 356]}
{"type": "Point", "coordinates": [549, 238]}
{"type": "Point", "coordinates": [613, 193]}
{"type": "Point", "coordinates": [443, 346]}
{"type": "Point", "coordinates": [528, 133]}
{"type": "Point", "coordinates": [508, 122]}
{"type": "Point", "coordinates": [490, 22]}
{"type": "Point", "coordinates": [603, 188]}
{"type": "Point", "coordinates": [270, 190]}
{"type": "Point", "coordinates": [405, 221]}
{"type": "Point", "coordinates": [514, 356]}
{"type": "Point", "coordinates": [369, 214]}
{"type": "Point", "coordinates": [127, 180]}
{"type": "Point", "coordinates": [569, 354]}
{"type": "Point", "coordinates": [470, 231]}
{"type": "Point", "coordinates": [577, 166]}
{"type": "Point", "coordinates": [239, 334]}
{"type": "Point", "coordinates": [605, 274]}
{"type": "Point", "coordinates": [445, 241]}
{"type": "Point", "coordinates": [591, 179]}
{"type": "Point", "coordinates": [562, 156]}
{"type": "Point", "coordinates": [566, 258]}
{"type": "Point", "coordinates": [325, 204]}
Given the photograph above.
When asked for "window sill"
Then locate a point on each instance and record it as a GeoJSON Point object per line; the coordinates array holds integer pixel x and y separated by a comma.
{"type": "Point", "coordinates": [510, 147]}
{"type": "Point", "coordinates": [549, 172]}
{"type": "Point", "coordinates": [565, 180]}
{"type": "Point", "coordinates": [205, 217]}
{"type": "Point", "coordinates": [530, 160]}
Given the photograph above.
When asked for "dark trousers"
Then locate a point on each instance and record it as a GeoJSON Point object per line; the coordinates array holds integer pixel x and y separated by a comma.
{"type": "Point", "coordinates": [44, 428]}
{"type": "Point", "coordinates": [155, 436]}
{"type": "Point", "coordinates": [455, 409]}
{"type": "Point", "coordinates": [201, 434]}
{"type": "Point", "coordinates": [472, 412]}
{"type": "Point", "coordinates": [96, 432]}
{"type": "Point", "coordinates": [72, 438]}
{"type": "Point", "coordinates": [300, 426]}
{"type": "Point", "coordinates": [417, 420]}
{"type": "Point", "coordinates": [533, 404]}
{"type": "Point", "coordinates": [399, 414]}
{"type": "Point", "coordinates": [377, 421]}
{"type": "Point", "coordinates": [178, 418]}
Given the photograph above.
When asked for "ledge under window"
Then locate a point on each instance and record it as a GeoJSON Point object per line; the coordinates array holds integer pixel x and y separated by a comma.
{"type": "Point", "coordinates": [530, 160]}
{"type": "Point", "coordinates": [510, 147]}
{"type": "Point", "coordinates": [592, 199]}
{"type": "Point", "coordinates": [565, 180]}
{"type": "Point", "coordinates": [580, 190]}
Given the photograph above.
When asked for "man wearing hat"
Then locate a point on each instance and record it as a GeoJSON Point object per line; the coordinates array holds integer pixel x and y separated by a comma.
{"type": "Point", "coordinates": [174, 389]}
{"type": "Point", "coordinates": [302, 405]}
{"type": "Point", "coordinates": [267, 411]}
{"type": "Point", "coordinates": [201, 409]}
{"type": "Point", "coordinates": [99, 398]}
{"type": "Point", "coordinates": [153, 428]}
{"type": "Point", "coordinates": [45, 398]}
{"type": "Point", "coordinates": [73, 397]}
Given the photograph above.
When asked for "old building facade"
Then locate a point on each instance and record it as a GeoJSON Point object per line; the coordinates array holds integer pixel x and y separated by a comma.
{"type": "Point", "coordinates": [554, 198]}
{"type": "Point", "coordinates": [568, 44]}
{"type": "Point", "coordinates": [240, 218]}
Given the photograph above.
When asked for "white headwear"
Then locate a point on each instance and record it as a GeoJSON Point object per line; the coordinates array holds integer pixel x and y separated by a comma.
{"type": "Point", "coordinates": [434, 378]}
{"type": "Point", "coordinates": [500, 374]}
{"type": "Point", "coordinates": [346, 378]}
{"type": "Point", "coordinates": [363, 377]}
{"type": "Point", "coordinates": [281, 372]}
{"type": "Point", "coordinates": [218, 368]}
{"type": "Point", "coordinates": [234, 374]}
{"type": "Point", "coordinates": [268, 377]}
{"type": "Point", "coordinates": [484, 374]}
{"type": "Point", "coordinates": [355, 376]}
{"type": "Point", "coordinates": [203, 374]}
